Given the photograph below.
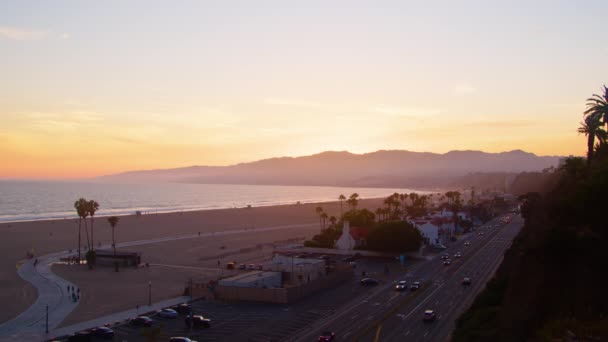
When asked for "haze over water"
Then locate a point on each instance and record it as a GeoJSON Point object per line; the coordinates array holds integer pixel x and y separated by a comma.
{"type": "Point", "coordinates": [33, 200]}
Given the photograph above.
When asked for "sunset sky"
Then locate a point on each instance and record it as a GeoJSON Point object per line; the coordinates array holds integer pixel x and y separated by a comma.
{"type": "Point", "coordinates": [91, 88]}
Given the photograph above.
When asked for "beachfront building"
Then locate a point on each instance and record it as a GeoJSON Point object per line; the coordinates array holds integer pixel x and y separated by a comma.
{"type": "Point", "coordinates": [352, 237]}
{"type": "Point", "coordinates": [254, 279]}
{"type": "Point", "coordinates": [296, 270]}
{"type": "Point", "coordinates": [123, 258]}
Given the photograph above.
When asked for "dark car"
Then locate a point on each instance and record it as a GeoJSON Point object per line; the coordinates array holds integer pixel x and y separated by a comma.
{"type": "Point", "coordinates": [198, 321]}
{"type": "Point", "coordinates": [144, 321]}
{"type": "Point", "coordinates": [103, 332]}
{"type": "Point", "coordinates": [445, 256]}
{"type": "Point", "coordinates": [448, 262]}
{"type": "Point", "coordinates": [327, 336]}
{"type": "Point", "coordinates": [401, 285]}
{"type": "Point", "coordinates": [415, 286]}
{"type": "Point", "coordinates": [466, 281]}
{"type": "Point", "coordinates": [369, 282]}
{"type": "Point", "coordinates": [80, 336]}
{"type": "Point", "coordinates": [348, 259]}
{"type": "Point", "coordinates": [428, 316]}
{"type": "Point", "coordinates": [183, 308]}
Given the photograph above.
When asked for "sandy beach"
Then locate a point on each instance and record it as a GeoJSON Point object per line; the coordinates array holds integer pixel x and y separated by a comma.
{"type": "Point", "coordinates": [50, 236]}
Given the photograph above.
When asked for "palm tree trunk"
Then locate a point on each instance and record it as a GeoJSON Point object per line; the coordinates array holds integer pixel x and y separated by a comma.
{"type": "Point", "coordinates": [86, 230]}
{"type": "Point", "coordinates": [92, 241]}
{"type": "Point", "coordinates": [79, 229]}
{"type": "Point", "coordinates": [113, 241]}
{"type": "Point", "coordinates": [590, 143]}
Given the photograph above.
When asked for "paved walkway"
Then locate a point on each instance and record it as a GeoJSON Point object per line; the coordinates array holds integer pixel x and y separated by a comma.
{"type": "Point", "coordinates": [53, 290]}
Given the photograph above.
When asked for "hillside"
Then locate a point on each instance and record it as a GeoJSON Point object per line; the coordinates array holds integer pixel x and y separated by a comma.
{"type": "Point", "coordinates": [551, 285]}
{"type": "Point", "coordinates": [377, 169]}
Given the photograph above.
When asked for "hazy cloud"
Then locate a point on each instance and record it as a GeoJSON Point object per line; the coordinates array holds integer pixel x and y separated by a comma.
{"type": "Point", "coordinates": [412, 112]}
{"type": "Point", "coordinates": [464, 89]}
{"type": "Point", "coordinates": [504, 123]}
{"type": "Point", "coordinates": [21, 34]}
{"type": "Point", "coordinates": [289, 102]}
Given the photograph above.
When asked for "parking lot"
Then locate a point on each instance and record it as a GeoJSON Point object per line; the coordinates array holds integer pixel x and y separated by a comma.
{"type": "Point", "coordinates": [259, 321]}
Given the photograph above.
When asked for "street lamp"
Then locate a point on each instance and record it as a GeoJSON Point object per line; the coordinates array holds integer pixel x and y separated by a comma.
{"type": "Point", "coordinates": [150, 293]}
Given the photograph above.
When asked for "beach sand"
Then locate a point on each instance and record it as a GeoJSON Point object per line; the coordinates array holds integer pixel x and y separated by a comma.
{"type": "Point", "coordinates": [56, 235]}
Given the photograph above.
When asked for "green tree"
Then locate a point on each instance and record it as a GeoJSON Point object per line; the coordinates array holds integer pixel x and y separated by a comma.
{"type": "Point", "coordinates": [394, 237]}
{"type": "Point", "coordinates": [592, 128]}
{"type": "Point", "coordinates": [353, 201]}
{"type": "Point", "coordinates": [359, 218]}
{"type": "Point", "coordinates": [113, 221]}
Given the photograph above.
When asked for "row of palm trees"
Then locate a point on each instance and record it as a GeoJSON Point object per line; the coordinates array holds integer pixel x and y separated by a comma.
{"type": "Point", "coordinates": [352, 202]}
{"type": "Point", "coordinates": [595, 123]}
{"type": "Point", "coordinates": [87, 209]}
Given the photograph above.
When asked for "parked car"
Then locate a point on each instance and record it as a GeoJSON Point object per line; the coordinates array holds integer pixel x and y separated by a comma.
{"type": "Point", "coordinates": [251, 267]}
{"type": "Point", "coordinates": [327, 336]}
{"type": "Point", "coordinates": [198, 321]}
{"type": "Point", "coordinates": [466, 281]}
{"type": "Point", "coordinates": [428, 316]}
{"type": "Point", "coordinates": [103, 332]}
{"type": "Point", "coordinates": [180, 339]}
{"type": "Point", "coordinates": [369, 282]}
{"type": "Point", "coordinates": [401, 285]}
{"type": "Point", "coordinates": [167, 313]}
{"type": "Point", "coordinates": [415, 286]}
{"type": "Point", "coordinates": [259, 267]}
{"type": "Point", "coordinates": [144, 321]}
{"type": "Point", "coordinates": [242, 267]}
{"type": "Point", "coordinates": [183, 308]}
{"type": "Point", "coordinates": [448, 262]}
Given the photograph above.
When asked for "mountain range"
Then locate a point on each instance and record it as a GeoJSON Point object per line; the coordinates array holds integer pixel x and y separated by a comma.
{"type": "Point", "coordinates": [393, 168]}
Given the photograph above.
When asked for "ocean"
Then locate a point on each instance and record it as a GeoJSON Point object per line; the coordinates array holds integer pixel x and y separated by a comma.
{"type": "Point", "coordinates": [38, 200]}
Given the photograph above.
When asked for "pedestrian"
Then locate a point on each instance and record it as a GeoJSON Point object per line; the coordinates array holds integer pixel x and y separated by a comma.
{"type": "Point", "coordinates": [68, 288]}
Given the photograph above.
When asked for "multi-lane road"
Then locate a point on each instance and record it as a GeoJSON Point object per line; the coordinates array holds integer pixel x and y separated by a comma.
{"type": "Point", "coordinates": [387, 315]}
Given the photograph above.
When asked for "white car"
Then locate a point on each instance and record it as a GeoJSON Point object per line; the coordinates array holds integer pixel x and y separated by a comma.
{"type": "Point", "coordinates": [167, 313]}
{"type": "Point", "coordinates": [467, 243]}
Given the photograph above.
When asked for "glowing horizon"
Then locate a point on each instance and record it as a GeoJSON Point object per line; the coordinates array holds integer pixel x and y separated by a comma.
{"type": "Point", "coordinates": [94, 89]}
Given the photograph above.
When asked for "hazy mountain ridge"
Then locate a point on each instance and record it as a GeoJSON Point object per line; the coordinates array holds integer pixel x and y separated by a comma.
{"type": "Point", "coordinates": [331, 168]}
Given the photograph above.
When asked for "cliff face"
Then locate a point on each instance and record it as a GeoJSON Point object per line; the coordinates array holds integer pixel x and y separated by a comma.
{"type": "Point", "coordinates": [552, 283]}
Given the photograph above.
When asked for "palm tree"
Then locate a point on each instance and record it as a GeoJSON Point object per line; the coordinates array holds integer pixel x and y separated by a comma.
{"type": "Point", "coordinates": [333, 220]}
{"type": "Point", "coordinates": [80, 211]}
{"type": "Point", "coordinates": [92, 208]}
{"type": "Point", "coordinates": [591, 127]}
{"type": "Point", "coordinates": [113, 220]}
{"type": "Point", "coordinates": [597, 106]}
{"type": "Point", "coordinates": [341, 199]}
{"type": "Point", "coordinates": [353, 200]}
{"type": "Point", "coordinates": [324, 217]}
{"type": "Point", "coordinates": [319, 211]}
{"type": "Point", "coordinates": [83, 212]}
{"type": "Point", "coordinates": [379, 213]}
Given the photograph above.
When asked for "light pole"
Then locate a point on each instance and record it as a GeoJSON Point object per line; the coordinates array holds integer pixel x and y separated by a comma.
{"type": "Point", "coordinates": [150, 293]}
{"type": "Point", "coordinates": [47, 318]}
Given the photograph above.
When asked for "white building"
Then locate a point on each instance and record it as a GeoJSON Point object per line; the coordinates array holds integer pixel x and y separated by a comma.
{"type": "Point", "coordinates": [259, 279]}
{"type": "Point", "coordinates": [351, 237]}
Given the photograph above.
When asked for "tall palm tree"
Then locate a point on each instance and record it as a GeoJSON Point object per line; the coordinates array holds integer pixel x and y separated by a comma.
{"type": "Point", "coordinates": [80, 211]}
{"type": "Point", "coordinates": [113, 220]}
{"type": "Point", "coordinates": [92, 208]}
{"type": "Point", "coordinates": [591, 127]}
{"type": "Point", "coordinates": [319, 211]}
{"type": "Point", "coordinates": [333, 220]}
{"type": "Point", "coordinates": [82, 208]}
{"type": "Point", "coordinates": [324, 217]}
{"type": "Point", "coordinates": [353, 200]}
{"type": "Point", "coordinates": [341, 199]}
{"type": "Point", "coordinates": [597, 106]}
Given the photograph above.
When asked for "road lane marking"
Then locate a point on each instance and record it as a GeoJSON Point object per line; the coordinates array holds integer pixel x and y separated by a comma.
{"type": "Point", "coordinates": [378, 333]}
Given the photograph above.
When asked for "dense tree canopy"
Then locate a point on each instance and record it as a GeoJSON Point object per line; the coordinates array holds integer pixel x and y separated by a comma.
{"type": "Point", "coordinates": [394, 237]}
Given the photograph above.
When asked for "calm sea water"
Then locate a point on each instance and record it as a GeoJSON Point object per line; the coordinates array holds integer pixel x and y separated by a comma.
{"type": "Point", "coordinates": [33, 200]}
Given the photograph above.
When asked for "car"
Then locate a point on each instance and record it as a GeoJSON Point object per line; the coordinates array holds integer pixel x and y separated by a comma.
{"type": "Point", "coordinates": [251, 267]}
{"type": "Point", "coordinates": [327, 336]}
{"type": "Point", "coordinates": [167, 313]}
{"type": "Point", "coordinates": [467, 243]}
{"type": "Point", "coordinates": [445, 256]}
{"type": "Point", "coordinates": [447, 262]}
{"type": "Point", "coordinates": [103, 332]}
{"type": "Point", "coordinates": [198, 321]}
{"type": "Point", "coordinates": [259, 267]}
{"type": "Point", "coordinates": [457, 255]}
{"type": "Point", "coordinates": [348, 259]}
{"type": "Point", "coordinates": [428, 316]}
{"type": "Point", "coordinates": [369, 282]}
{"type": "Point", "coordinates": [466, 281]}
{"type": "Point", "coordinates": [242, 267]}
{"type": "Point", "coordinates": [415, 286]}
{"type": "Point", "coordinates": [183, 308]}
{"type": "Point", "coordinates": [401, 285]}
{"type": "Point", "coordinates": [80, 336]}
{"type": "Point", "coordinates": [144, 321]}
{"type": "Point", "coordinates": [230, 266]}
{"type": "Point", "coordinates": [180, 339]}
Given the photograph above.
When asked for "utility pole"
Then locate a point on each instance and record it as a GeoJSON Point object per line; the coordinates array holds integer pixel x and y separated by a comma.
{"type": "Point", "coordinates": [47, 318]}
{"type": "Point", "coordinates": [150, 293]}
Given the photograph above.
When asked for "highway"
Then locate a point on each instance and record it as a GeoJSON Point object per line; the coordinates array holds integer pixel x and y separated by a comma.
{"type": "Point", "coordinates": [387, 315]}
